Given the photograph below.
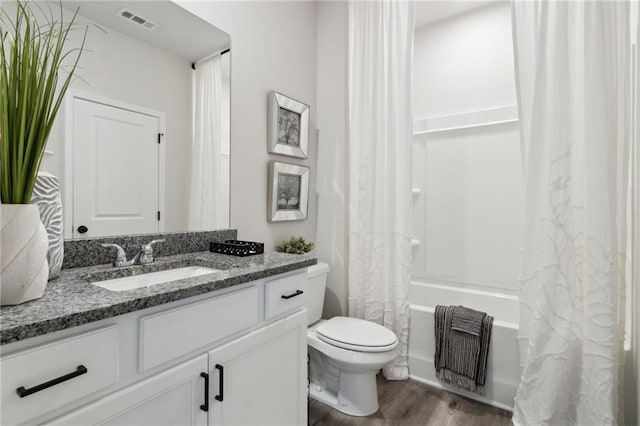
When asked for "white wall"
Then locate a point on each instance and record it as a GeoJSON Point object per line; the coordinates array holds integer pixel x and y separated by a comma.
{"type": "Point", "coordinates": [464, 63]}
{"type": "Point", "coordinates": [332, 150]}
{"type": "Point", "coordinates": [468, 217]}
{"type": "Point", "coordinates": [273, 47]}
{"type": "Point", "coordinates": [122, 68]}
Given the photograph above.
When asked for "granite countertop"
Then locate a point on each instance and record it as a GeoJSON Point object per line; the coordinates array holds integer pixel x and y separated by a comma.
{"type": "Point", "coordinates": [71, 300]}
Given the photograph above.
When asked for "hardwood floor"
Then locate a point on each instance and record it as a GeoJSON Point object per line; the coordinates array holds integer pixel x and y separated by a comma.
{"type": "Point", "coordinates": [409, 403]}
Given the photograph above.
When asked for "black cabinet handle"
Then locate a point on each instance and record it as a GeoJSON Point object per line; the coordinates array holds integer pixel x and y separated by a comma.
{"type": "Point", "coordinates": [289, 296]}
{"type": "Point", "coordinates": [205, 406]}
{"type": "Point", "coordinates": [82, 229]}
{"type": "Point", "coordinates": [220, 395]}
{"type": "Point", "coordinates": [22, 392]}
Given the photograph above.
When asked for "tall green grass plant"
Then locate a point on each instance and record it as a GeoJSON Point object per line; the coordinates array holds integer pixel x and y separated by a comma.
{"type": "Point", "coordinates": [33, 58]}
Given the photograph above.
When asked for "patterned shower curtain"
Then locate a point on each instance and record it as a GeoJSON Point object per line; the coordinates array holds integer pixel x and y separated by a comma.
{"type": "Point", "coordinates": [572, 61]}
{"type": "Point", "coordinates": [380, 123]}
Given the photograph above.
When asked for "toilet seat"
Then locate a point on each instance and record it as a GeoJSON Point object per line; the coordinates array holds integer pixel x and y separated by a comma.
{"type": "Point", "coordinates": [357, 335]}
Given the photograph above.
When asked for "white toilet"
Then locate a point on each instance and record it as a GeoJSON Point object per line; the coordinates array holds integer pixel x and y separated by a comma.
{"type": "Point", "coordinates": [345, 354]}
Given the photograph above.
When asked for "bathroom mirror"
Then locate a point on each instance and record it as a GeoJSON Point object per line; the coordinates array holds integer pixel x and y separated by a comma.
{"type": "Point", "coordinates": [142, 141]}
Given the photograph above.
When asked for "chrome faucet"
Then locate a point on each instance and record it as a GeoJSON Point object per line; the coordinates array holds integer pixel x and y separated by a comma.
{"type": "Point", "coordinates": [142, 257]}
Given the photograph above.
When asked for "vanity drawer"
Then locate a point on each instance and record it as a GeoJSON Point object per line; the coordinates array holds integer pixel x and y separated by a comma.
{"type": "Point", "coordinates": [285, 294]}
{"type": "Point", "coordinates": [171, 334]}
{"type": "Point", "coordinates": [82, 365]}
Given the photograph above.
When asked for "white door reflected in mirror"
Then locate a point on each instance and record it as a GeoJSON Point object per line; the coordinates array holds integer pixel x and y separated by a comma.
{"type": "Point", "coordinates": [116, 158]}
{"type": "Point", "coordinates": [155, 68]}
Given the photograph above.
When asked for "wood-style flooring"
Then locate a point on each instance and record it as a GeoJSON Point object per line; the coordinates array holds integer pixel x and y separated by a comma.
{"type": "Point", "coordinates": [409, 403]}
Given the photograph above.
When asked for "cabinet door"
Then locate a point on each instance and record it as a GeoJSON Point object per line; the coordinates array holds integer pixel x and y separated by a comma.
{"type": "Point", "coordinates": [261, 378]}
{"type": "Point", "coordinates": [172, 397]}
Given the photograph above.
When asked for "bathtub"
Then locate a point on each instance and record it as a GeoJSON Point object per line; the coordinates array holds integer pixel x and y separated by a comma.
{"type": "Point", "coordinates": [502, 370]}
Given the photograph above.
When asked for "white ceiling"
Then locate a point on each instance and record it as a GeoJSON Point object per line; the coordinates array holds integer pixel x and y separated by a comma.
{"type": "Point", "coordinates": [178, 32]}
{"type": "Point", "coordinates": [187, 36]}
{"type": "Point", "coordinates": [431, 11]}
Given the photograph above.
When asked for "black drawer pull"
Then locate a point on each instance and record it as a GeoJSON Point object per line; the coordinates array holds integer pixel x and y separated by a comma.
{"type": "Point", "coordinates": [220, 395]}
{"type": "Point", "coordinates": [289, 296]}
{"type": "Point", "coordinates": [205, 406]}
{"type": "Point", "coordinates": [22, 392]}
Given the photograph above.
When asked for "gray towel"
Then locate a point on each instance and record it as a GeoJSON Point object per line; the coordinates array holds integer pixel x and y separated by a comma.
{"type": "Point", "coordinates": [467, 320]}
{"type": "Point", "coordinates": [461, 352]}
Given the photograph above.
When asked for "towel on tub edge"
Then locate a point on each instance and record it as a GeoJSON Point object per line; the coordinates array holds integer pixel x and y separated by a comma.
{"type": "Point", "coordinates": [462, 338]}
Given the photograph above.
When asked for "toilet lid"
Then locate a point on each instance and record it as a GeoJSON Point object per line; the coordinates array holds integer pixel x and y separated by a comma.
{"type": "Point", "coordinates": [356, 334]}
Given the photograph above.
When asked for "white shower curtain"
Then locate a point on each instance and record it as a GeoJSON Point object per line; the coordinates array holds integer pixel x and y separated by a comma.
{"type": "Point", "coordinates": [208, 201]}
{"type": "Point", "coordinates": [380, 122]}
{"type": "Point", "coordinates": [573, 86]}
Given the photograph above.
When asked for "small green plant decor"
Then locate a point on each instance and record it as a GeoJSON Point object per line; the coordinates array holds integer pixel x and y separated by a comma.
{"type": "Point", "coordinates": [36, 68]}
{"type": "Point", "coordinates": [295, 245]}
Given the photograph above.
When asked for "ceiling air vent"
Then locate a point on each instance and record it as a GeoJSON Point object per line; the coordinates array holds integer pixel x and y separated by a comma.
{"type": "Point", "coordinates": [137, 19]}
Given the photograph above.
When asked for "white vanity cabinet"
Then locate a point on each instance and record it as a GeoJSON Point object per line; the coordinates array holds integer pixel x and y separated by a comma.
{"type": "Point", "coordinates": [238, 357]}
{"type": "Point", "coordinates": [261, 378]}
{"type": "Point", "coordinates": [50, 376]}
{"type": "Point", "coordinates": [173, 397]}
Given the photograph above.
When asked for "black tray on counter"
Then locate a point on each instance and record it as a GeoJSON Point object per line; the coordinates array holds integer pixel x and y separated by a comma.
{"type": "Point", "coordinates": [237, 248]}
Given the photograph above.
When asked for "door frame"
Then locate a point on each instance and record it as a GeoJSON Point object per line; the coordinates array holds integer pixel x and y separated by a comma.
{"type": "Point", "coordinates": [68, 195]}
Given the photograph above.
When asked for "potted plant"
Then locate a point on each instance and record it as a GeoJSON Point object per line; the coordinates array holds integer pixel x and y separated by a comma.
{"type": "Point", "coordinates": [295, 245]}
{"type": "Point", "coordinates": [33, 57]}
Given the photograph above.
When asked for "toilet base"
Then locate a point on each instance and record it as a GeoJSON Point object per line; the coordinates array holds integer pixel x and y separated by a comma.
{"type": "Point", "coordinates": [357, 394]}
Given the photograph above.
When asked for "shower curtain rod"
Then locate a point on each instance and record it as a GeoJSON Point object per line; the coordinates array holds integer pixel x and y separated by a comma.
{"type": "Point", "coordinates": [193, 64]}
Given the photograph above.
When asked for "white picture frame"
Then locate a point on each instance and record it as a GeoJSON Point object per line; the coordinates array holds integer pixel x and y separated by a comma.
{"type": "Point", "coordinates": [288, 197]}
{"type": "Point", "coordinates": [288, 130]}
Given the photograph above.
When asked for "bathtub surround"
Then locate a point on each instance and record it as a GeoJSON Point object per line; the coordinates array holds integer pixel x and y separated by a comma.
{"type": "Point", "coordinates": [572, 61]}
{"type": "Point", "coordinates": [468, 212]}
{"type": "Point", "coordinates": [379, 144]}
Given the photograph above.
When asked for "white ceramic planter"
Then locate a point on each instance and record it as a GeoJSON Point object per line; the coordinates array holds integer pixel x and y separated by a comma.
{"type": "Point", "coordinates": [23, 255]}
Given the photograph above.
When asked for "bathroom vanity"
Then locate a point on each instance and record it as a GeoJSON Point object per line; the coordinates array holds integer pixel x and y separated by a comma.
{"type": "Point", "coordinates": [222, 348]}
{"type": "Point", "coordinates": [225, 345]}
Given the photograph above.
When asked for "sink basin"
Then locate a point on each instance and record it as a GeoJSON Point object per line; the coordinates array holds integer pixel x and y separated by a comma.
{"type": "Point", "coordinates": [153, 278]}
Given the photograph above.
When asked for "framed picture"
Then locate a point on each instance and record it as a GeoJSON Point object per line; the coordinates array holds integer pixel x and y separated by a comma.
{"type": "Point", "coordinates": [288, 196]}
{"type": "Point", "coordinates": [288, 126]}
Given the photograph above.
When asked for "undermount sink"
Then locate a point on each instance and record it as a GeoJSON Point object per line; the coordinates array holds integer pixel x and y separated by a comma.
{"type": "Point", "coordinates": [153, 278]}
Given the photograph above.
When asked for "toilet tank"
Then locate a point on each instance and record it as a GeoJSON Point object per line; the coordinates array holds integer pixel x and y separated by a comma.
{"type": "Point", "coordinates": [317, 276]}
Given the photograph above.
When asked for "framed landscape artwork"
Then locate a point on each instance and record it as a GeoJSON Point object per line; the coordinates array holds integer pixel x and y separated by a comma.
{"type": "Point", "coordinates": [288, 126]}
{"type": "Point", "coordinates": [288, 196]}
